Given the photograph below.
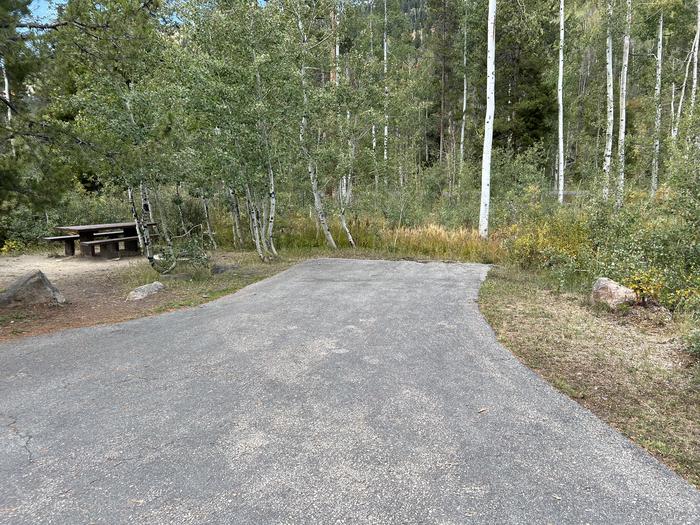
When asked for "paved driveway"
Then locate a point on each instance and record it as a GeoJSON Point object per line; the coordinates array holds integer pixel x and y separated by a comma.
{"type": "Point", "coordinates": [336, 392]}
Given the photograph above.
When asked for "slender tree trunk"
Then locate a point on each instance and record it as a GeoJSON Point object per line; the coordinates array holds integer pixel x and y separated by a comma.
{"type": "Point", "coordinates": [623, 108]}
{"type": "Point", "coordinates": [207, 218]}
{"type": "Point", "coordinates": [386, 89]}
{"type": "Point", "coordinates": [374, 157]}
{"type": "Point", "coordinates": [464, 99]}
{"type": "Point", "coordinates": [371, 29]}
{"type": "Point", "coordinates": [146, 202]}
{"type": "Point", "coordinates": [262, 125]}
{"type": "Point", "coordinates": [235, 217]}
{"type": "Point", "coordinates": [343, 198]}
{"type": "Point", "coordinates": [610, 128]}
{"type": "Point", "coordinates": [673, 106]}
{"type": "Point", "coordinates": [165, 232]}
{"type": "Point", "coordinates": [443, 80]}
{"type": "Point", "coordinates": [335, 70]}
{"type": "Point", "coordinates": [657, 103]}
{"type": "Point", "coordinates": [488, 123]}
{"type": "Point", "coordinates": [560, 100]}
{"type": "Point", "coordinates": [679, 111]}
{"type": "Point", "coordinates": [310, 163]}
{"type": "Point", "coordinates": [135, 216]}
{"type": "Point", "coordinates": [7, 96]}
{"type": "Point", "coordinates": [694, 90]}
{"type": "Point", "coordinates": [318, 204]}
{"type": "Point", "coordinates": [254, 223]}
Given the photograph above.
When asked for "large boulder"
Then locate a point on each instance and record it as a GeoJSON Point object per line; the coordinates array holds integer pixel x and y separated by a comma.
{"type": "Point", "coordinates": [610, 293]}
{"type": "Point", "coordinates": [32, 288]}
{"type": "Point", "coordinates": [144, 291]}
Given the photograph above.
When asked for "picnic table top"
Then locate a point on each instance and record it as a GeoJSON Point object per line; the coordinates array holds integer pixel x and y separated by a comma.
{"type": "Point", "coordinates": [98, 227]}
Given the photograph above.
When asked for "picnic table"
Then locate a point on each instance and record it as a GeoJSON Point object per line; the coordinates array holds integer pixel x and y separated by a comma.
{"type": "Point", "coordinates": [110, 240]}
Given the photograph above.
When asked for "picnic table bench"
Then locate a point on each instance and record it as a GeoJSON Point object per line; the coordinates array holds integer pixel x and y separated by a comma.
{"type": "Point", "coordinates": [68, 242]}
{"type": "Point", "coordinates": [104, 240]}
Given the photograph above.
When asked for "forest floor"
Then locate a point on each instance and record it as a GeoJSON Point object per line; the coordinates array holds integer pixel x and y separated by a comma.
{"type": "Point", "coordinates": [628, 368]}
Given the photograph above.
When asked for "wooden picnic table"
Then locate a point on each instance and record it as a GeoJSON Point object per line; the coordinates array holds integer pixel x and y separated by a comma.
{"type": "Point", "coordinates": [113, 239]}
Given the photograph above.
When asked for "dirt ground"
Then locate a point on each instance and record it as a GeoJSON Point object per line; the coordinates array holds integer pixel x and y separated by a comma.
{"type": "Point", "coordinates": [96, 289]}
{"type": "Point", "coordinates": [93, 288]}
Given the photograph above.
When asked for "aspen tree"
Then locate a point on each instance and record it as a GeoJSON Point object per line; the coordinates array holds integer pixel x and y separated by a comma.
{"type": "Point", "coordinates": [464, 94]}
{"type": "Point", "coordinates": [623, 108]}
{"type": "Point", "coordinates": [488, 122]}
{"type": "Point", "coordinates": [657, 103]}
{"type": "Point", "coordinates": [610, 100]}
{"type": "Point", "coordinates": [386, 88]}
{"type": "Point", "coordinates": [560, 100]}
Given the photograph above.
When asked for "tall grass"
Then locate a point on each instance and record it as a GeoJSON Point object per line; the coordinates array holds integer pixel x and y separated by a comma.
{"type": "Point", "coordinates": [430, 241]}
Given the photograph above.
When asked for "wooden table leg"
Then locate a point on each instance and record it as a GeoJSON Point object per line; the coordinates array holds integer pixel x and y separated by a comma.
{"type": "Point", "coordinates": [69, 245]}
{"type": "Point", "coordinates": [87, 251]}
{"type": "Point", "coordinates": [109, 250]}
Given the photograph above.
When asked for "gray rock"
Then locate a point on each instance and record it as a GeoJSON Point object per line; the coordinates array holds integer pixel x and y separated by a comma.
{"type": "Point", "coordinates": [145, 291]}
{"type": "Point", "coordinates": [217, 269]}
{"type": "Point", "coordinates": [32, 288]}
{"type": "Point", "coordinates": [613, 294]}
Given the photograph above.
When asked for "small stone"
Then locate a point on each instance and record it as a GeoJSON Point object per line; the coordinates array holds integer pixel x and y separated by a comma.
{"type": "Point", "coordinates": [32, 288]}
{"type": "Point", "coordinates": [613, 294]}
{"type": "Point", "coordinates": [144, 291]}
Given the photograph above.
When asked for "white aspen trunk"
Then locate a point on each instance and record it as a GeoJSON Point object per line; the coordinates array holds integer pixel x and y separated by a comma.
{"type": "Point", "coordinates": [694, 90]}
{"type": "Point", "coordinates": [371, 29]}
{"type": "Point", "coordinates": [254, 224]}
{"type": "Point", "coordinates": [560, 100]}
{"type": "Point", "coordinates": [166, 237]}
{"type": "Point", "coordinates": [679, 111]}
{"type": "Point", "coordinates": [7, 96]}
{"type": "Point", "coordinates": [6, 89]}
{"type": "Point", "coordinates": [318, 204]}
{"type": "Point", "coordinates": [343, 193]}
{"type": "Point", "coordinates": [673, 105]}
{"type": "Point", "coordinates": [488, 123]}
{"type": "Point", "coordinates": [235, 218]}
{"type": "Point", "coordinates": [623, 108]}
{"type": "Point", "coordinates": [657, 103]}
{"type": "Point", "coordinates": [610, 128]}
{"type": "Point", "coordinates": [142, 230]}
{"type": "Point", "coordinates": [336, 47]}
{"type": "Point", "coordinates": [386, 89]}
{"type": "Point", "coordinates": [146, 202]}
{"type": "Point", "coordinates": [310, 164]}
{"type": "Point", "coordinates": [271, 216]}
{"type": "Point", "coordinates": [262, 126]}
{"type": "Point", "coordinates": [374, 157]}
{"type": "Point", "coordinates": [207, 218]}
{"type": "Point", "coordinates": [135, 216]}
{"type": "Point", "coordinates": [464, 99]}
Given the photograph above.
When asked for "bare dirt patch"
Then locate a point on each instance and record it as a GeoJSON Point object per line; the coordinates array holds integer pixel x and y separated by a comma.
{"type": "Point", "coordinates": [629, 368]}
{"type": "Point", "coordinates": [96, 289]}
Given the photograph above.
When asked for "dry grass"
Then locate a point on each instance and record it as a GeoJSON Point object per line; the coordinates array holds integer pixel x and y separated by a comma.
{"type": "Point", "coordinates": [438, 242]}
{"type": "Point", "coordinates": [629, 369]}
{"type": "Point", "coordinates": [378, 236]}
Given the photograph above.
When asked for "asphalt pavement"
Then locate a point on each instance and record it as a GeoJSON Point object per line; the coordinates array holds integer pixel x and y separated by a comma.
{"type": "Point", "coordinates": [338, 391]}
